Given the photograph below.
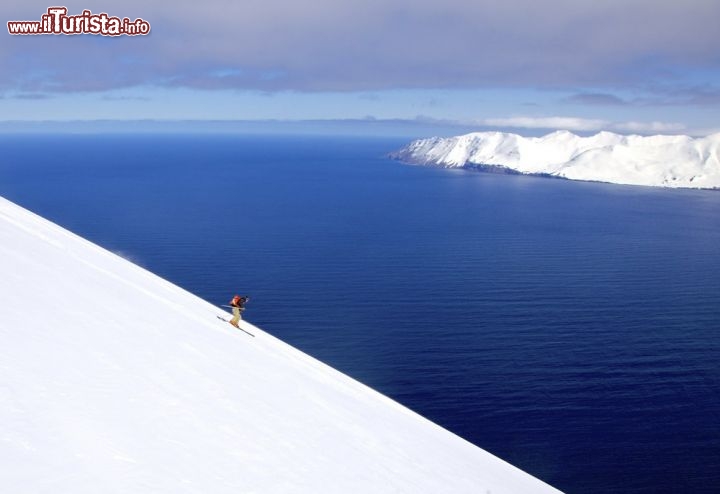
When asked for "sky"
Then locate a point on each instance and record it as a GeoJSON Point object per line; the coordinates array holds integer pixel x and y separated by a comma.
{"type": "Point", "coordinates": [627, 66]}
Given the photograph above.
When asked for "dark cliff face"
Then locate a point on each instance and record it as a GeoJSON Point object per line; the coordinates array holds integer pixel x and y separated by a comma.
{"type": "Point", "coordinates": [485, 168]}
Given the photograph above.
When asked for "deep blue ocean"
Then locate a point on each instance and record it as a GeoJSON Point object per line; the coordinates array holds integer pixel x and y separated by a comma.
{"type": "Point", "coordinates": [573, 329]}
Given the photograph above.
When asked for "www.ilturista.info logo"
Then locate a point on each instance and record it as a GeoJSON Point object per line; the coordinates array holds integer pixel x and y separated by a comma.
{"type": "Point", "coordinates": [56, 21]}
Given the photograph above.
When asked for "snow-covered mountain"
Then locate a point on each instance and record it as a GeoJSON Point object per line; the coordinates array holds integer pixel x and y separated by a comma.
{"type": "Point", "coordinates": [661, 160]}
{"type": "Point", "coordinates": [113, 380]}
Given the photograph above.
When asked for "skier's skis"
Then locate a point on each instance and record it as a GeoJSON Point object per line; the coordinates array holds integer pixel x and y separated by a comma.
{"type": "Point", "coordinates": [241, 329]}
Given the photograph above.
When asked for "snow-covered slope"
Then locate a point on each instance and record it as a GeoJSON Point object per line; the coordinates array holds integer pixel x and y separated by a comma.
{"type": "Point", "coordinates": [113, 380]}
{"type": "Point", "coordinates": [666, 161]}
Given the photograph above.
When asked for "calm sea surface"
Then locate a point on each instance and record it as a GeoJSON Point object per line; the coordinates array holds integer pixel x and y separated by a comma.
{"type": "Point", "coordinates": [573, 329]}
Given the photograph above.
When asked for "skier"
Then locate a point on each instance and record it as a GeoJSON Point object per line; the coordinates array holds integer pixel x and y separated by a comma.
{"type": "Point", "coordinates": [238, 305]}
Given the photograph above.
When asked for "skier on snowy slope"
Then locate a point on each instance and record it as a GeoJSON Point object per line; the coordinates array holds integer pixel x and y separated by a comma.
{"type": "Point", "coordinates": [238, 306]}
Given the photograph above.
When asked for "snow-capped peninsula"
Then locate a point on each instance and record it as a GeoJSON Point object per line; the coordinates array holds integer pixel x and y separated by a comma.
{"type": "Point", "coordinates": [113, 380]}
{"type": "Point", "coordinates": [661, 160]}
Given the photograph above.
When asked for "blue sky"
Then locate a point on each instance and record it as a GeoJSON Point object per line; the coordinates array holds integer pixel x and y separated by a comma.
{"type": "Point", "coordinates": [635, 66]}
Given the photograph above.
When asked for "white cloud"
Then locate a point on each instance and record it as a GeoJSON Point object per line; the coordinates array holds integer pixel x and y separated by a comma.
{"type": "Point", "coordinates": [582, 124]}
{"type": "Point", "coordinates": [644, 127]}
{"type": "Point", "coordinates": [565, 123]}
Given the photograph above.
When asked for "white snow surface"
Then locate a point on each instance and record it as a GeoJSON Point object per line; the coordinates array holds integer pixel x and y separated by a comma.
{"type": "Point", "coordinates": [661, 160]}
{"type": "Point", "coordinates": [113, 380]}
